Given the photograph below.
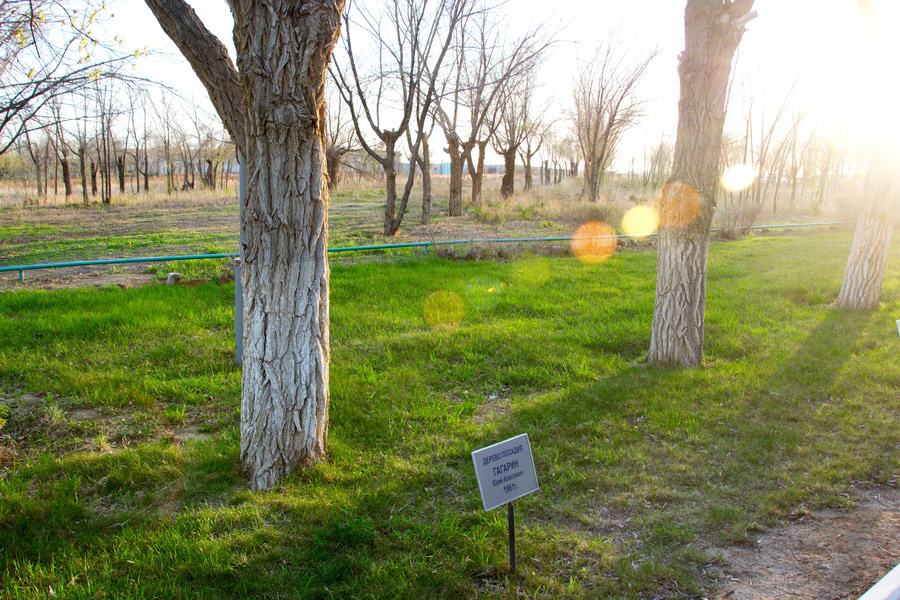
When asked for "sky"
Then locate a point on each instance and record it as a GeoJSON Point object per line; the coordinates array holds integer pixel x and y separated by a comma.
{"type": "Point", "coordinates": [821, 42]}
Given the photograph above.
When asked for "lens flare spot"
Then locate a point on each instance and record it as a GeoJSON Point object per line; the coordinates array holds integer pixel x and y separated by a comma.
{"type": "Point", "coordinates": [594, 242]}
{"type": "Point", "coordinates": [531, 272]}
{"type": "Point", "coordinates": [482, 293]}
{"type": "Point", "coordinates": [679, 204]}
{"type": "Point", "coordinates": [444, 310]}
{"type": "Point", "coordinates": [737, 178]}
{"type": "Point", "coordinates": [640, 221]}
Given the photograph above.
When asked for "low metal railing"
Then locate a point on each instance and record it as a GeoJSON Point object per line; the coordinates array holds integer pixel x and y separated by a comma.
{"type": "Point", "coordinates": [146, 259]}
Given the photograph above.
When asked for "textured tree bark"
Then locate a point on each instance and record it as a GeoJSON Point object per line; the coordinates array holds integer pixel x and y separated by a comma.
{"type": "Point", "coordinates": [713, 30]}
{"type": "Point", "coordinates": [276, 116]}
{"type": "Point", "coordinates": [861, 288]}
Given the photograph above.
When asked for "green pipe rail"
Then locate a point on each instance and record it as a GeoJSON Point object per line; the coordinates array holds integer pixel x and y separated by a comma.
{"type": "Point", "coordinates": [116, 261]}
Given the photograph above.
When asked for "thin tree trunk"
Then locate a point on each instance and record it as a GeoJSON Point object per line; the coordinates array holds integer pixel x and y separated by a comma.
{"type": "Point", "coordinates": [81, 166]}
{"type": "Point", "coordinates": [93, 178]}
{"type": "Point", "coordinates": [66, 176]}
{"type": "Point", "coordinates": [823, 182]}
{"type": "Point", "coordinates": [425, 165]}
{"type": "Point", "coordinates": [529, 182]}
{"type": "Point", "coordinates": [146, 172]}
{"type": "Point", "coordinates": [689, 198]}
{"type": "Point", "coordinates": [390, 176]}
{"type": "Point", "coordinates": [333, 166]}
{"type": "Point", "coordinates": [477, 175]}
{"type": "Point", "coordinates": [120, 171]}
{"type": "Point", "coordinates": [39, 174]}
{"type": "Point", "coordinates": [456, 177]}
{"type": "Point", "coordinates": [508, 183]}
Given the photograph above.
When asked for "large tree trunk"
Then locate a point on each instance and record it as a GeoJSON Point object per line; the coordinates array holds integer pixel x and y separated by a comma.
{"type": "Point", "coordinates": [275, 112]}
{"type": "Point", "coordinates": [284, 409]}
{"type": "Point", "coordinates": [861, 289]}
{"type": "Point", "coordinates": [713, 31]}
{"type": "Point", "coordinates": [508, 183]}
{"type": "Point", "coordinates": [456, 177]}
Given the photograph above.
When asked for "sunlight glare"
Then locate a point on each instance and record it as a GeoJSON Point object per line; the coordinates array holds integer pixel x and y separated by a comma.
{"type": "Point", "coordinates": [679, 204]}
{"type": "Point", "coordinates": [738, 177]}
{"type": "Point", "coordinates": [530, 272]}
{"type": "Point", "coordinates": [640, 221]}
{"type": "Point", "coordinates": [594, 242]}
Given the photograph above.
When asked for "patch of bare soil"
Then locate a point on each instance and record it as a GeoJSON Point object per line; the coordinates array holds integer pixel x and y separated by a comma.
{"type": "Point", "coordinates": [78, 277]}
{"type": "Point", "coordinates": [828, 555]}
{"type": "Point", "coordinates": [189, 432]}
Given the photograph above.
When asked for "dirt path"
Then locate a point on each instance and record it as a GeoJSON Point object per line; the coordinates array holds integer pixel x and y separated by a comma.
{"type": "Point", "coordinates": [829, 555]}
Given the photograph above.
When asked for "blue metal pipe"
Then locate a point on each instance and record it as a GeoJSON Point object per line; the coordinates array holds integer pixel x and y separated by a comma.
{"type": "Point", "coordinates": [426, 245]}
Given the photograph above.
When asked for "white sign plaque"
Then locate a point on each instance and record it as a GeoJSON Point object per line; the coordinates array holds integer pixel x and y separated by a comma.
{"type": "Point", "coordinates": [505, 471]}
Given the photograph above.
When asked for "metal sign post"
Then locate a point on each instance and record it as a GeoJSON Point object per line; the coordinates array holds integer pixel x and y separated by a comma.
{"type": "Point", "coordinates": [511, 523]}
{"type": "Point", "coordinates": [505, 472]}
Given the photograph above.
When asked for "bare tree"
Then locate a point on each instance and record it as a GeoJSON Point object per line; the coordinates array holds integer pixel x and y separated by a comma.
{"type": "Point", "coordinates": [713, 31]}
{"type": "Point", "coordinates": [657, 171]}
{"type": "Point", "coordinates": [411, 41]}
{"type": "Point", "coordinates": [39, 151]}
{"type": "Point", "coordinates": [47, 50]}
{"type": "Point", "coordinates": [537, 131]}
{"type": "Point", "coordinates": [510, 133]}
{"type": "Point", "coordinates": [274, 111]}
{"type": "Point", "coordinates": [486, 63]}
{"type": "Point", "coordinates": [82, 141]}
{"type": "Point", "coordinates": [164, 111]}
{"type": "Point", "coordinates": [340, 138]}
{"type": "Point", "coordinates": [606, 104]}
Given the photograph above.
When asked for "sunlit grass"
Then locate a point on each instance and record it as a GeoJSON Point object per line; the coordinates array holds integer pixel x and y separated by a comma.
{"type": "Point", "coordinates": [641, 469]}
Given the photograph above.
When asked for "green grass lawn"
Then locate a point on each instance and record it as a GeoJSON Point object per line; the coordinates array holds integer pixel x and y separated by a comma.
{"type": "Point", "coordinates": [643, 471]}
